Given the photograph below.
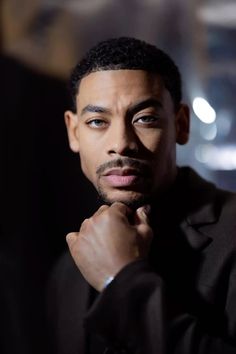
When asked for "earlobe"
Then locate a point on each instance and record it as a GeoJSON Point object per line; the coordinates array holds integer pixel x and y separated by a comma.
{"type": "Point", "coordinates": [182, 124]}
{"type": "Point", "coordinates": [71, 122]}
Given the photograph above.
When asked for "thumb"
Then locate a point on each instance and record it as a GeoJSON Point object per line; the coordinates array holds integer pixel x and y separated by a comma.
{"type": "Point", "coordinates": [143, 214]}
{"type": "Point", "coordinates": [144, 230]}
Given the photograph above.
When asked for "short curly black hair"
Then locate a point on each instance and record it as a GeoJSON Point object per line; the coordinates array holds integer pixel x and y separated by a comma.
{"type": "Point", "coordinates": [132, 54]}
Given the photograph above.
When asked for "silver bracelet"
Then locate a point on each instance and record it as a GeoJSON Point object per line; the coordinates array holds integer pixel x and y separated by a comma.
{"type": "Point", "coordinates": [107, 281]}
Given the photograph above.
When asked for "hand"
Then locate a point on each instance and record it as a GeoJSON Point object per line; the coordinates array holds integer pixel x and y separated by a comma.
{"type": "Point", "coordinates": [108, 241]}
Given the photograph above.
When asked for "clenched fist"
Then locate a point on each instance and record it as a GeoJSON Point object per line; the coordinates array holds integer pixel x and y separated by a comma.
{"type": "Point", "coordinates": [108, 241]}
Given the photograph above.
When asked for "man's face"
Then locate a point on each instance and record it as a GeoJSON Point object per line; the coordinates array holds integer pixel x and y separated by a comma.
{"type": "Point", "coordinates": [125, 131]}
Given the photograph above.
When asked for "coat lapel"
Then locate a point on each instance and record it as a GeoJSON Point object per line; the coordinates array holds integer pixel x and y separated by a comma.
{"type": "Point", "coordinates": [203, 211]}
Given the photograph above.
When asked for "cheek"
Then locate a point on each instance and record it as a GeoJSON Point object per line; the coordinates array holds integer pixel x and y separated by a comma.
{"type": "Point", "coordinates": [90, 153]}
{"type": "Point", "coordinates": [152, 140]}
{"type": "Point", "coordinates": [89, 160]}
{"type": "Point", "coordinates": [161, 144]}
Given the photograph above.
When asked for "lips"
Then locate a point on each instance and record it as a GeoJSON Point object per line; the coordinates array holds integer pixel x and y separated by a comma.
{"type": "Point", "coordinates": [125, 177]}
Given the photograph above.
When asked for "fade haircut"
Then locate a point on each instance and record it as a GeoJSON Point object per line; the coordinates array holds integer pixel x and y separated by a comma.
{"type": "Point", "coordinates": [131, 54]}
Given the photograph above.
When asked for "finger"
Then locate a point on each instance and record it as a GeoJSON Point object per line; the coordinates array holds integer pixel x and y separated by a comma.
{"type": "Point", "coordinates": [71, 238]}
{"type": "Point", "coordinates": [142, 214]}
{"type": "Point", "coordinates": [84, 224]}
{"type": "Point", "coordinates": [142, 222]}
{"type": "Point", "coordinates": [145, 231]}
{"type": "Point", "coordinates": [123, 208]}
{"type": "Point", "coordinates": [101, 210]}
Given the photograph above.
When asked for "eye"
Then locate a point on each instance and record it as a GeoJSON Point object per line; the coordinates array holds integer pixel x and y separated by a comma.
{"type": "Point", "coordinates": [147, 120]}
{"type": "Point", "coordinates": [96, 123]}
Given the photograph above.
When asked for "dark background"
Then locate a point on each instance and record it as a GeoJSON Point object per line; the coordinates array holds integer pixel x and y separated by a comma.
{"type": "Point", "coordinates": [44, 196]}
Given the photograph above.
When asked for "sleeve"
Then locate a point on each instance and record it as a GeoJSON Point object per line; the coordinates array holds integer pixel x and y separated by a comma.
{"type": "Point", "coordinates": [130, 315]}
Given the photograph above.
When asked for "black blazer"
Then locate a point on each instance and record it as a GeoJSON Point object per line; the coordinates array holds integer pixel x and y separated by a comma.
{"type": "Point", "coordinates": [180, 301]}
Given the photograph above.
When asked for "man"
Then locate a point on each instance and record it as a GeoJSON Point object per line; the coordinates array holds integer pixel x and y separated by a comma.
{"type": "Point", "coordinates": [161, 250]}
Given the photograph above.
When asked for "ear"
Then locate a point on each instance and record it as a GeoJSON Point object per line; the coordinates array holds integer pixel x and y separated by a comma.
{"type": "Point", "coordinates": [182, 124]}
{"type": "Point", "coordinates": [71, 121]}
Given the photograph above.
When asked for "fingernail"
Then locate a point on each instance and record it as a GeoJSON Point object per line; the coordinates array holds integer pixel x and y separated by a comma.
{"type": "Point", "coordinates": [144, 212]}
{"type": "Point", "coordinates": [147, 209]}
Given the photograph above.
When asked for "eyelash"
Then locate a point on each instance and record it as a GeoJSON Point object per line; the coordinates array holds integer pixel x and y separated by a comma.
{"type": "Point", "coordinates": [152, 118]}
{"type": "Point", "coordinates": [100, 123]}
{"type": "Point", "coordinates": [97, 120]}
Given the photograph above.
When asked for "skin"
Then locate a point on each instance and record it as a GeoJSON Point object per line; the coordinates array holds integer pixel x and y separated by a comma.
{"type": "Point", "coordinates": [125, 122]}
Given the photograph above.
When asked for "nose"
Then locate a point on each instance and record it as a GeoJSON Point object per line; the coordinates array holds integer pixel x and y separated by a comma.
{"type": "Point", "coordinates": [123, 141]}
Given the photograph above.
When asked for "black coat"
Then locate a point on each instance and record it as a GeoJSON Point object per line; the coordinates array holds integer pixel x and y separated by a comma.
{"type": "Point", "coordinates": [182, 300]}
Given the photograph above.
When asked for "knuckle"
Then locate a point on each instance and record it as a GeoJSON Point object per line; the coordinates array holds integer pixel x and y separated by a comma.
{"type": "Point", "coordinates": [84, 224]}
{"type": "Point", "coordinates": [103, 207]}
{"type": "Point", "coordinates": [146, 232]}
{"type": "Point", "coordinates": [117, 205]}
{"type": "Point", "coordinates": [118, 208]}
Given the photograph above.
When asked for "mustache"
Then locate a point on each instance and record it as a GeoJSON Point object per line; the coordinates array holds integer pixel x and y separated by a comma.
{"type": "Point", "coordinates": [140, 166]}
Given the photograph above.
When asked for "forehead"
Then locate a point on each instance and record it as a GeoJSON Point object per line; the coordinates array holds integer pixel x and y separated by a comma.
{"type": "Point", "coordinates": [116, 83]}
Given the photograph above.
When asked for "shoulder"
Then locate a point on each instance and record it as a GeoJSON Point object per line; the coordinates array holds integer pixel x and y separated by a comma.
{"type": "Point", "coordinates": [211, 211]}
{"type": "Point", "coordinates": [221, 229]}
{"type": "Point", "coordinates": [202, 194]}
{"type": "Point", "coordinates": [228, 200]}
{"type": "Point", "coordinates": [226, 204]}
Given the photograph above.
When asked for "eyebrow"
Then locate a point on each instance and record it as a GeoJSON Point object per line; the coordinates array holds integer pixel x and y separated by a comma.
{"type": "Point", "coordinates": [94, 109]}
{"type": "Point", "coordinates": [150, 102]}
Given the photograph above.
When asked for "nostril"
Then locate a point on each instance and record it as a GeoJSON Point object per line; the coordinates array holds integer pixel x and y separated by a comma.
{"type": "Point", "coordinates": [123, 141]}
{"type": "Point", "coordinates": [130, 150]}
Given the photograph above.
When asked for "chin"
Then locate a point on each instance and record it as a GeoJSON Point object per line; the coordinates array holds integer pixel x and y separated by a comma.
{"type": "Point", "coordinates": [132, 199]}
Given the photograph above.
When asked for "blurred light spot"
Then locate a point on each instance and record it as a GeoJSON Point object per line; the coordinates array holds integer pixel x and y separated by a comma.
{"type": "Point", "coordinates": [217, 158]}
{"type": "Point", "coordinates": [201, 153]}
{"type": "Point", "coordinates": [218, 13]}
{"type": "Point", "coordinates": [203, 110]}
{"type": "Point", "coordinates": [208, 132]}
{"type": "Point", "coordinates": [224, 122]}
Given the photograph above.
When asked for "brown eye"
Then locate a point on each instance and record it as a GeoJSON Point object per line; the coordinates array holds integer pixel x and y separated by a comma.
{"type": "Point", "coordinates": [147, 119]}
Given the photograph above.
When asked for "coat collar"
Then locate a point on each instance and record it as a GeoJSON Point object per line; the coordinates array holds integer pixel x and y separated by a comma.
{"type": "Point", "coordinates": [203, 209]}
{"type": "Point", "coordinates": [191, 205]}
{"type": "Point", "coordinates": [196, 239]}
